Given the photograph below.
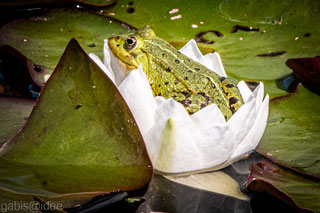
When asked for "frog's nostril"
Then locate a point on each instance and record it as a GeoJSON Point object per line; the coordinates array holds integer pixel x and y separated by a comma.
{"type": "Point", "coordinates": [117, 38]}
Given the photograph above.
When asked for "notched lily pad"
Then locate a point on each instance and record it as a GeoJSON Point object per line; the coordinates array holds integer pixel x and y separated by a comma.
{"type": "Point", "coordinates": [295, 189]}
{"type": "Point", "coordinates": [72, 153]}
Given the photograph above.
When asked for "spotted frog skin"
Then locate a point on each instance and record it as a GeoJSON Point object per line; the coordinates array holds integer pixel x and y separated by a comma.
{"type": "Point", "coordinates": [171, 74]}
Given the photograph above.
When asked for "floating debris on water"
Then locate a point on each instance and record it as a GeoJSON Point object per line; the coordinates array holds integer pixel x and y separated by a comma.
{"type": "Point", "coordinates": [307, 35]}
{"type": "Point", "coordinates": [243, 28]}
{"type": "Point", "coordinates": [130, 10]}
{"type": "Point", "coordinates": [78, 106]}
{"type": "Point", "coordinates": [272, 54]}
{"type": "Point", "coordinates": [174, 10]}
{"type": "Point", "coordinates": [92, 45]}
{"type": "Point", "coordinates": [199, 37]}
{"type": "Point", "coordinates": [176, 17]}
{"type": "Point", "coordinates": [194, 26]}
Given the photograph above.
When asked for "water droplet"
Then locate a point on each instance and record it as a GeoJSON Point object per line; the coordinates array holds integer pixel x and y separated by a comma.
{"type": "Point", "coordinates": [194, 26]}
{"type": "Point", "coordinates": [25, 40]}
{"type": "Point", "coordinates": [296, 38]}
{"type": "Point", "coordinates": [201, 22]}
{"type": "Point", "coordinates": [240, 38]}
{"type": "Point", "coordinates": [93, 86]}
{"type": "Point", "coordinates": [110, 22]}
{"type": "Point", "coordinates": [77, 6]}
{"type": "Point", "coordinates": [111, 14]}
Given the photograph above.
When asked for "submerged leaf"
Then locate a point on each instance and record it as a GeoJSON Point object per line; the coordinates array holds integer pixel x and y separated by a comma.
{"type": "Point", "coordinates": [81, 139]}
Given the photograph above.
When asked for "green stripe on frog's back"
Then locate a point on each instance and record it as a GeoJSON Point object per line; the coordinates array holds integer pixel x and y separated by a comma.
{"type": "Point", "coordinates": [185, 70]}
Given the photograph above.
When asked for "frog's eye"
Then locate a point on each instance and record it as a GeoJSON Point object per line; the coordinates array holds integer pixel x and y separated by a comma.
{"type": "Point", "coordinates": [131, 42]}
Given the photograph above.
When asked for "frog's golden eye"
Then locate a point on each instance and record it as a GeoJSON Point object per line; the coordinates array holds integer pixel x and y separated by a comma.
{"type": "Point", "coordinates": [131, 42]}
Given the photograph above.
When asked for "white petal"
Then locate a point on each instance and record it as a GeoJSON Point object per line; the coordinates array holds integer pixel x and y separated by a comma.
{"type": "Point", "coordinates": [216, 145]}
{"type": "Point", "coordinates": [252, 139]}
{"type": "Point", "coordinates": [192, 51]}
{"type": "Point", "coordinates": [241, 122]}
{"type": "Point", "coordinates": [212, 60]}
{"type": "Point", "coordinates": [244, 90]}
{"type": "Point", "coordinates": [159, 100]}
{"type": "Point", "coordinates": [207, 116]}
{"type": "Point", "coordinates": [214, 63]}
{"type": "Point", "coordinates": [171, 108]}
{"type": "Point", "coordinates": [136, 90]}
{"type": "Point", "coordinates": [107, 71]}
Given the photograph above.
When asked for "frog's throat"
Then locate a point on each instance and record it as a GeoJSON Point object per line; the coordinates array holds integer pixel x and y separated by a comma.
{"type": "Point", "coordinates": [125, 67]}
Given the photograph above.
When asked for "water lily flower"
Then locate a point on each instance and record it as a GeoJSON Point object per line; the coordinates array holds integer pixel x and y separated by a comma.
{"type": "Point", "coordinates": [178, 142]}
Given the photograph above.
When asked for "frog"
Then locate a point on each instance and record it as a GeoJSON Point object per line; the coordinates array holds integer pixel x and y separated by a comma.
{"type": "Point", "coordinates": [172, 74]}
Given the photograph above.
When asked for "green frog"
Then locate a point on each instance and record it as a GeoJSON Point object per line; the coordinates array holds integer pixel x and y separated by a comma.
{"type": "Point", "coordinates": [171, 74]}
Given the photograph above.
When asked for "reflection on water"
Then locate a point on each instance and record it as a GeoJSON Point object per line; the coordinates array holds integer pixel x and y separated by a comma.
{"type": "Point", "coordinates": [54, 181]}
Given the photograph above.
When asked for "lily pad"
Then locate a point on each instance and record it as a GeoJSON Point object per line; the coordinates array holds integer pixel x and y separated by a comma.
{"type": "Point", "coordinates": [293, 133]}
{"type": "Point", "coordinates": [81, 139]}
{"type": "Point", "coordinates": [13, 114]}
{"type": "Point", "coordinates": [276, 27]}
{"type": "Point", "coordinates": [296, 190]}
{"type": "Point", "coordinates": [42, 39]}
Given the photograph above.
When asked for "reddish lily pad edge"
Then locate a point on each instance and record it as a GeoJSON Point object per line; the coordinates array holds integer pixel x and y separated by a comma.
{"type": "Point", "coordinates": [265, 187]}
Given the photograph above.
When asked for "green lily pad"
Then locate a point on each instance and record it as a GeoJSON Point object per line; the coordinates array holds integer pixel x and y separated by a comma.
{"type": "Point", "coordinates": [13, 114]}
{"type": "Point", "coordinates": [81, 139]}
{"type": "Point", "coordinates": [293, 133]}
{"type": "Point", "coordinates": [278, 24]}
{"type": "Point", "coordinates": [296, 190]}
{"type": "Point", "coordinates": [42, 39]}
